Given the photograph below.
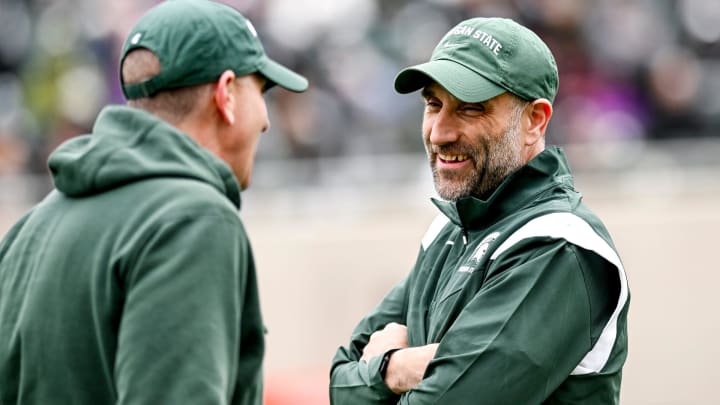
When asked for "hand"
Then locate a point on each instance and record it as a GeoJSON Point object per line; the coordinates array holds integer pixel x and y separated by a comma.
{"type": "Point", "coordinates": [392, 336]}
{"type": "Point", "coordinates": [407, 367]}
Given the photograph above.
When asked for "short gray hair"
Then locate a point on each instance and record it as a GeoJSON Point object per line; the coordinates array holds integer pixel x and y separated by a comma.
{"type": "Point", "coordinates": [173, 105]}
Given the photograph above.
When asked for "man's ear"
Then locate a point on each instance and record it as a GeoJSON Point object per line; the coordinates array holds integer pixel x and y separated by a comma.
{"type": "Point", "coordinates": [538, 115]}
{"type": "Point", "coordinates": [225, 100]}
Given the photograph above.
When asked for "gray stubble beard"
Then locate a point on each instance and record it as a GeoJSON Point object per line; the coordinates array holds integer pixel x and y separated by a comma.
{"type": "Point", "coordinates": [500, 160]}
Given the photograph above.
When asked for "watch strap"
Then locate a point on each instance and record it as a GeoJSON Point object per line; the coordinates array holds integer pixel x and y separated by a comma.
{"type": "Point", "coordinates": [386, 361]}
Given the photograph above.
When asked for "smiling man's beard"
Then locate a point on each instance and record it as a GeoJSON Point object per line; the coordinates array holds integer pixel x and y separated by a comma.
{"type": "Point", "coordinates": [493, 163]}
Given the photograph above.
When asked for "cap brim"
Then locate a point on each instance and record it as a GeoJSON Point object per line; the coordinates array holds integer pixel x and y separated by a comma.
{"type": "Point", "coordinates": [463, 83]}
{"type": "Point", "coordinates": [282, 76]}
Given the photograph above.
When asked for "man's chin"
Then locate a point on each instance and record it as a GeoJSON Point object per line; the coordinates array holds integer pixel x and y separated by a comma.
{"type": "Point", "coordinates": [452, 192]}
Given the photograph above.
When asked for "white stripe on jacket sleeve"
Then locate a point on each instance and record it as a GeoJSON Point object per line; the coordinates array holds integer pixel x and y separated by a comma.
{"type": "Point", "coordinates": [577, 231]}
{"type": "Point", "coordinates": [434, 230]}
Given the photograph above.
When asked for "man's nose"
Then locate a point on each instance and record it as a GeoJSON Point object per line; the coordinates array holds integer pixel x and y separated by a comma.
{"type": "Point", "coordinates": [444, 128]}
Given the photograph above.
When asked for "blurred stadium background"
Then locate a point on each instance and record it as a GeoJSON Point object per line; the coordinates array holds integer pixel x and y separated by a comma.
{"type": "Point", "coordinates": [340, 194]}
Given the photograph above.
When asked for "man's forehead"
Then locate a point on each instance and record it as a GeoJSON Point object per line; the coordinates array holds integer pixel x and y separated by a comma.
{"type": "Point", "coordinates": [435, 89]}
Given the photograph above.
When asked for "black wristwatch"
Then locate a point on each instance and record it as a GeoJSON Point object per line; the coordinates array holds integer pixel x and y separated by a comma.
{"type": "Point", "coordinates": [385, 361]}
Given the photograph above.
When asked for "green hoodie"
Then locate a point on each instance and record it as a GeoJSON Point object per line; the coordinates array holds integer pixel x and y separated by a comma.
{"type": "Point", "coordinates": [134, 281]}
{"type": "Point", "coordinates": [524, 293]}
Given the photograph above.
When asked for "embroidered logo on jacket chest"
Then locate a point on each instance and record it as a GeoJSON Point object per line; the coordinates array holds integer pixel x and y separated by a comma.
{"type": "Point", "coordinates": [472, 264]}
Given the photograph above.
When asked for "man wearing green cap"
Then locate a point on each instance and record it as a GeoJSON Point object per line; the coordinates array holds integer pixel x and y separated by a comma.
{"type": "Point", "coordinates": [518, 295]}
{"type": "Point", "coordinates": [133, 282]}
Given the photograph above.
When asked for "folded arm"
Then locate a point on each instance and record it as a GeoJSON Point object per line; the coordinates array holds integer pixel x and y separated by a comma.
{"type": "Point", "coordinates": [518, 338]}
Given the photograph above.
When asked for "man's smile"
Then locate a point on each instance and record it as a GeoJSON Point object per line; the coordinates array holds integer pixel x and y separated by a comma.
{"type": "Point", "coordinates": [451, 161]}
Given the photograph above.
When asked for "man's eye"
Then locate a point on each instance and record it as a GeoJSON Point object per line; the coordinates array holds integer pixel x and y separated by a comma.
{"type": "Point", "coordinates": [432, 103]}
{"type": "Point", "coordinates": [473, 108]}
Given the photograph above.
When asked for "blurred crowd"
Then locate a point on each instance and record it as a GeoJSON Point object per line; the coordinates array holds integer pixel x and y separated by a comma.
{"type": "Point", "coordinates": [629, 69]}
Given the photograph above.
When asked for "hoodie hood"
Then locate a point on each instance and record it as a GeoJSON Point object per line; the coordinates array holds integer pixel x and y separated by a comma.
{"type": "Point", "coordinates": [129, 145]}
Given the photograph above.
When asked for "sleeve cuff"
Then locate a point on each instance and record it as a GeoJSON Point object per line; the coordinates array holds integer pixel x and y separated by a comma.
{"type": "Point", "coordinates": [374, 378]}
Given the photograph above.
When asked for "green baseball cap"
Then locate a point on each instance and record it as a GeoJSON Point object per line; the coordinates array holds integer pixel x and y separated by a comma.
{"type": "Point", "coordinates": [196, 41]}
{"type": "Point", "coordinates": [481, 58]}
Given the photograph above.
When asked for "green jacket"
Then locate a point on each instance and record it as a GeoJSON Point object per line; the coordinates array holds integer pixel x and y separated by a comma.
{"type": "Point", "coordinates": [133, 282]}
{"type": "Point", "coordinates": [524, 293]}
